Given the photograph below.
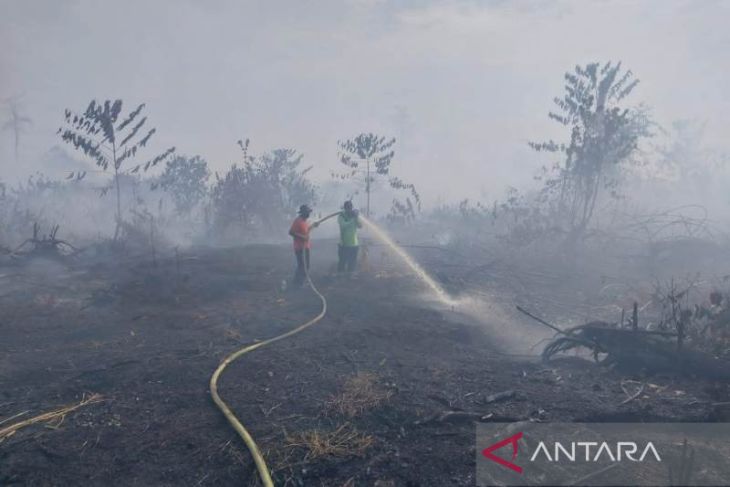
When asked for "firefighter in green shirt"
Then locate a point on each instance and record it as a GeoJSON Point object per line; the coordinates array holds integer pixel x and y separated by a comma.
{"type": "Point", "coordinates": [349, 223]}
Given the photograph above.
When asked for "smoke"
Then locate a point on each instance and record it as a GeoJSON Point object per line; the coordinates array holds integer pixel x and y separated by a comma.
{"type": "Point", "coordinates": [462, 85]}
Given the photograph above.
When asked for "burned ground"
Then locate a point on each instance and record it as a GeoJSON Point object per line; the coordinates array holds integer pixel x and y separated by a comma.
{"type": "Point", "coordinates": [384, 391]}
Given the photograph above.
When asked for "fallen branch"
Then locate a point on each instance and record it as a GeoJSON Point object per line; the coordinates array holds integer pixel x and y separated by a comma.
{"type": "Point", "coordinates": [450, 416]}
{"type": "Point", "coordinates": [633, 396]}
{"type": "Point", "coordinates": [464, 416]}
{"type": "Point", "coordinates": [22, 413]}
{"type": "Point", "coordinates": [500, 396]}
{"type": "Point", "coordinates": [541, 321]}
{"type": "Point", "coordinates": [46, 244]}
{"type": "Point", "coordinates": [58, 414]}
{"type": "Point", "coordinates": [632, 350]}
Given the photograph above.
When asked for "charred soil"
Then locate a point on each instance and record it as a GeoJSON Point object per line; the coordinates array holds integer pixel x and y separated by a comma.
{"type": "Point", "coordinates": [384, 391]}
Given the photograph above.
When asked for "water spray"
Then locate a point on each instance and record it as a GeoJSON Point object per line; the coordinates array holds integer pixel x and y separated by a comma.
{"type": "Point", "coordinates": [380, 234]}
{"type": "Point", "coordinates": [441, 294]}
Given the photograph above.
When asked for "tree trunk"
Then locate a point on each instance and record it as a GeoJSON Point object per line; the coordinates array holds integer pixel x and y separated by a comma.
{"type": "Point", "coordinates": [119, 194]}
{"type": "Point", "coordinates": [367, 187]}
{"type": "Point", "coordinates": [17, 142]}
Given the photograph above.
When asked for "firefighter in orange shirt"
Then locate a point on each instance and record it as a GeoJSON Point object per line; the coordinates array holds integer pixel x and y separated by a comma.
{"type": "Point", "coordinates": [299, 231]}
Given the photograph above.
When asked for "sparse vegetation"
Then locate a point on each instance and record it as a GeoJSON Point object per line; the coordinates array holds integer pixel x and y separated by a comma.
{"type": "Point", "coordinates": [260, 194]}
{"type": "Point", "coordinates": [345, 441]}
{"type": "Point", "coordinates": [361, 392]}
{"type": "Point", "coordinates": [185, 180]}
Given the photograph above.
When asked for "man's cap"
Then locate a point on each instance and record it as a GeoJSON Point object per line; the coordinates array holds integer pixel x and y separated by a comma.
{"type": "Point", "coordinates": [304, 209]}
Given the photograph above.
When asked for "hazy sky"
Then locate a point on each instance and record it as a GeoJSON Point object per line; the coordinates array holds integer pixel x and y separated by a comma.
{"type": "Point", "coordinates": [463, 84]}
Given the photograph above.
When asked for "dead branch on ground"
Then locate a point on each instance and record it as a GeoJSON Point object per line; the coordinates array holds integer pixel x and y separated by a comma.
{"type": "Point", "coordinates": [58, 415]}
{"type": "Point", "coordinates": [45, 245]}
{"type": "Point", "coordinates": [631, 397]}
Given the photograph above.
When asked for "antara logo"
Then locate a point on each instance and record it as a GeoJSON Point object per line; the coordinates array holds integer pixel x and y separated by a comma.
{"type": "Point", "coordinates": [620, 451]}
{"type": "Point", "coordinates": [487, 452]}
{"type": "Point", "coordinates": [588, 451]}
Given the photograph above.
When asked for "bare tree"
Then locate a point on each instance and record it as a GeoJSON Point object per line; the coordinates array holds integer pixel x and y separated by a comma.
{"type": "Point", "coordinates": [97, 134]}
{"type": "Point", "coordinates": [17, 123]}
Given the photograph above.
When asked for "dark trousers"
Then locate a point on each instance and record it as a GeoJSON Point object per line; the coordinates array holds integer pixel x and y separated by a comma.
{"type": "Point", "coordinates": [347, 258]}
{"type": "Point", "coordinates": [302, 266]}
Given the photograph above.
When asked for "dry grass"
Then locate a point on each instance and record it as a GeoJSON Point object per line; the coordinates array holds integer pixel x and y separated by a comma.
{"type": "Point", "coordinates": [57, 415]}
{"type": "Point", "coordinates": [345, 441]}
{"type": "Point", "coordinates": [233, 334]}
{"type": "Point", "coordinates": [360, 393]}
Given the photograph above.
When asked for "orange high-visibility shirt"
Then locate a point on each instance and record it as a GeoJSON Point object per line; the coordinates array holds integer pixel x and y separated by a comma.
{"type": "Point", "coordinates": [300, 226]}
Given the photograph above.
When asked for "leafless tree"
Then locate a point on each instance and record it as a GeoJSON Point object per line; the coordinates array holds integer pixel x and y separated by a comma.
{"type": "Point", "coordinates": [17, 123]}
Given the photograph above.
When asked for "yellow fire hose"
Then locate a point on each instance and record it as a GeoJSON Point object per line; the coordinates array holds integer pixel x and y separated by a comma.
{"type": "Point", "coordinates": [258, 458]}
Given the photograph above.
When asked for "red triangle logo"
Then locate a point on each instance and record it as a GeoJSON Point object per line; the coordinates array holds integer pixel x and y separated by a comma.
{"type": "Point", "coordinates": [487, 452]}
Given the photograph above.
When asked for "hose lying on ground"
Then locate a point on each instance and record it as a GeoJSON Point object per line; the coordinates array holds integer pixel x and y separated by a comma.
{"type": "Point", "coordinates": [261, 466]}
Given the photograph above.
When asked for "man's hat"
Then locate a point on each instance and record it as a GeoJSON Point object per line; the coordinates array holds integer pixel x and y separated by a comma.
{"type": "Point", "coordinates": [305, 209]}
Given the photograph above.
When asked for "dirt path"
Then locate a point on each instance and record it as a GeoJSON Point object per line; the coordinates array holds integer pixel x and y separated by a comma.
{"type": "Point", "coordinates": [384, 391]}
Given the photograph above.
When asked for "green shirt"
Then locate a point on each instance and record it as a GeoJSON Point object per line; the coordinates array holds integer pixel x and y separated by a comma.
{"type": "Point", "coordinates": [348, 230]}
